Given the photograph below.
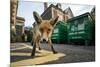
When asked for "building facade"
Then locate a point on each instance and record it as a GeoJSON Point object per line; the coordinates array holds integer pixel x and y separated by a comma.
{"type": "Point", "coordinates": [19, 25]}
{"type": "Point", "coordinates": [55, 10]}
{"type": "Point", "coordinates": [16, 23]}
{"type": "Point", "coordinates": [13, 14]}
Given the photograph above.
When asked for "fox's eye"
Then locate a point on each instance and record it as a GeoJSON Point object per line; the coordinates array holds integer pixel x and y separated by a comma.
{"type": "Point", "coordinates": [49, 29]}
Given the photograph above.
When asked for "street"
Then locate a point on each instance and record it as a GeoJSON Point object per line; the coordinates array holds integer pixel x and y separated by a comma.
{"type": "Point", "coordinates": [21, 54]}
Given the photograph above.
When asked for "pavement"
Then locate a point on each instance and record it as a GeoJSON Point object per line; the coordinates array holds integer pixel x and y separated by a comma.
{"type": "Point", "coordinates": [21, 54]}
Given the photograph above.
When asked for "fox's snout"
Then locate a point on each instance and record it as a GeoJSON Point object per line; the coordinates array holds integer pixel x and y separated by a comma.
{"type": "Point", "coordinates": [44, 41]}
{"type": "Point", "coordinates": [44, 37]}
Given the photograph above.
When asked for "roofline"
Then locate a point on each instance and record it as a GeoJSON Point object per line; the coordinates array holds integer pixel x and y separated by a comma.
{"type": "Point", "coordinates": [20, 18]}
{"type": "Point", "coordinates": [87, 13]}
{"type": "Point", "coordinates": [50, 7]}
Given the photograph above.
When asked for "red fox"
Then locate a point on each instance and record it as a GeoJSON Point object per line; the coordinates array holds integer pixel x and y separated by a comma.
{"type": "Point", "coordinates": [42, 32]}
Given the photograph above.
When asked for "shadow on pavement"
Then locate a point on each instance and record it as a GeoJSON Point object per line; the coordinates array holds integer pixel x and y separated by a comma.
{"type": "Point", "coordinates": [19, 57]}
{"type": "Point", "coordinates": [25, 50]}
{"type": "Point", "coordinates": [72, 58]}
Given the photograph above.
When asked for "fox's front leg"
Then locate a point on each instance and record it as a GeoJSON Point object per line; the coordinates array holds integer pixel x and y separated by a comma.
{"type": "Point", "coordinates": [38, 44]}
{"type": "Point", "coordinates": [51, 46]}
{"type": "Point", "coordinates": [33, 50]}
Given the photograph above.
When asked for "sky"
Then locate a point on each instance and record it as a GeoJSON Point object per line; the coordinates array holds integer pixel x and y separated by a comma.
{"type": "Point", "coordinates": [26, 8]}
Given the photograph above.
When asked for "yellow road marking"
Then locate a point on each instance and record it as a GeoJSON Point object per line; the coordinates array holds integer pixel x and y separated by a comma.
{"type": "Point", "coordinates": [42, 56]}
{"type": "Point", "coordinates": [38, 60]}
{"type": "Point", "coordinates": [18, 48]}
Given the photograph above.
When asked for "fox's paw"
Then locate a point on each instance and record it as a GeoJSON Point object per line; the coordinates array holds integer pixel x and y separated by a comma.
{"type": "Point", "coordinates": [55, 52]}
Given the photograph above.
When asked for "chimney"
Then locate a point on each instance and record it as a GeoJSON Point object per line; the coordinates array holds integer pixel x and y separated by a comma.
{"type": "Point", "coordinates": [58, 5]}
{"type": "Point", "coordinates": [45, 5]}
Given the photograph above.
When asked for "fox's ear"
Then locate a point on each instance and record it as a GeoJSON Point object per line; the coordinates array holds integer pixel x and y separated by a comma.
{"type": "Point", "coordinates": [53, 21]}
{"type": "Point", "coordinates": [37, 18]}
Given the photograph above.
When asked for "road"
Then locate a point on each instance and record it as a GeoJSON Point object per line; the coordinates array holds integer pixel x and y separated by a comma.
{"type": "Point", "coordinates": [21, 54]}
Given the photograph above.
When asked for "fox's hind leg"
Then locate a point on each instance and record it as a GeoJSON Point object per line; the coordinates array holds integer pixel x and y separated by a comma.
{"type": "Point", "coordinates": [51, 46]}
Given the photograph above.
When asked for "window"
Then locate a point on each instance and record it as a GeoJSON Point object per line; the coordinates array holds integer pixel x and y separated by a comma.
{"type": "Point", "coordinates": [81, 24]}
{"type": "Point", "coordinates": [18, 29]}
{"type": "Point", "coordinates": [55, 30]}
